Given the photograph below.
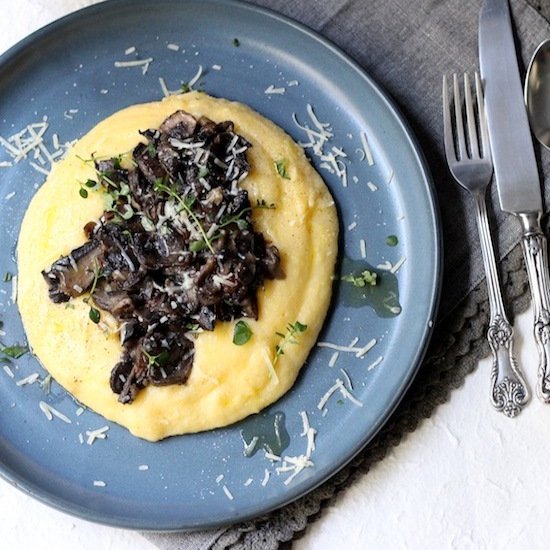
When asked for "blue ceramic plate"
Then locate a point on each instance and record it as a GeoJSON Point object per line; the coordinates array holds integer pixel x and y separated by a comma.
{"type": "Point", "coordinates": [66, 72]}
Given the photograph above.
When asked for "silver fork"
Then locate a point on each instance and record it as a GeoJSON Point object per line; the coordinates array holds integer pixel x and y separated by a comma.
{"type": "Point", "coordinates": [470, 163]}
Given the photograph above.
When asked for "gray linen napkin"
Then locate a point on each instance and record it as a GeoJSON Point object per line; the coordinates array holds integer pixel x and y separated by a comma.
{"type": "Point", "coordinates": [406, 46]}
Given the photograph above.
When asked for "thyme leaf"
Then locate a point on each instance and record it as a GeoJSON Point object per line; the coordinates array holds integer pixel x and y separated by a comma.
{"type": "Point", "coordinates": [94, 315]}
{"type": "Point", "coordinates": [280, 166]}
{"type": "Point", "coordinates": [242, 333]}
{"type": "Point", "coordinates": [392, 240]}
{"type": "Point", "coordinates": [14, 352]}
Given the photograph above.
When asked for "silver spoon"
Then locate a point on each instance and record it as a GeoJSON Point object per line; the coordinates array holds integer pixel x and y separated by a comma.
{"type": "Point", "coordinates": [537, 100]}
{"type": "Point", "coordinates": [537, 93]}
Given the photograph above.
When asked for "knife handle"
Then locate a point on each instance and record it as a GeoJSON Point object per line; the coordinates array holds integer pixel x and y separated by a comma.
{"type": "Point", "coordinates": [535, 252]}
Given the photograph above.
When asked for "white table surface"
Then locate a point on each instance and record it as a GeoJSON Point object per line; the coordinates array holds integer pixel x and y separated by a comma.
{"type": "Point", "coordinates": [467, 478]}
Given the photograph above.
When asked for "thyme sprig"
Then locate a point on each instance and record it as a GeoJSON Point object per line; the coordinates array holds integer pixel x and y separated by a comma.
{"type": "Point", "coordinates": [94, 314]}
{"type": "Point", "coordinates": [292, 330]}
{"type": "Point", "coordinates": [158, 360]}
{"type": "Point", "coordinates": [161, 186]}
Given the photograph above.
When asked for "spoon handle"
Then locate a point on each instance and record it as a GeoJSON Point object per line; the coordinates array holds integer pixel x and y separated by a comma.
{"type": "Point", "coordinates": [509, 393]}
{"type": "Point", "coordinates": [535, 252]}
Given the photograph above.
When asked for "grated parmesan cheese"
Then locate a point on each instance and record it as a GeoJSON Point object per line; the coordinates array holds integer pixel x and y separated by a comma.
{"type": "Point", "coordinates": [196, 78]}
{"type": "Point", "coordinates": [248, 482]}
{"type": "Point", "coordinates": [319, 136]}
{"type": "Point", "coordinates": [366, 148]}
{"type": "Point", "coordinates": [99, 433]}
{"type": "Point", "coordinates": [372, 187]}
{"type": "Point", "coordinates": [266, 477]}
{"type": "Point", "coordinates": [50, 412]}
{"type": "Point", "coordinates": [296, 464]}
{"type": "Point", "coordinates": [173, 47]}
{"type": "Point", "coordinates": [227, 492]}
{"type": "Point", "coordinates": [272, 457]}
{"type": "Point", "coordinates": [143, 63]}
{"type": "Point", "coordinates": [334, 388]}
{"type": "Point", "coordinates": [99, 483]}
{"type": "Point", "coordinates": [13, 296]}
{"type": "Point", "coordinates": [386, 266]}
{"type": "Point", "coordinates": [305, 423]}
{"type": "Point", "coordinates": [338, 386]}
{"type": "Point", "coordinates": [352, 226]}
{"type": "Point", "coordinates": [352, 348]}
{"type": "Point", "coordinates": [31, 141]}
{"type": "Point", "coordinates": [249, 449]}
{"type": "Point", "coordinates": [363, 248]}
{"type": "Point", "coordinates": [349, 396]}
{"type": "Point", "coordinates": [269, 365]}
{"type": "Point", "coordinates": [8, 371]}
{"type": "Point", "coordinates": [166, 92]}
{"type": "Point", "coordinates": [348, 379]}
{"type": "Point", "coordinates": [272, 90]}
{"type": "Point", "coordinates": [31, 379]}
{"type": "Point", "coordinates": [39, 168]}
{"type": "Point", "coordinates": [333, 359]}
{"type": "Point", "coordinates": [396, 266]}
{"type": "Point", "coordinates": [366, 348]}
{"type": "Point", "coordinates": [375, 364]}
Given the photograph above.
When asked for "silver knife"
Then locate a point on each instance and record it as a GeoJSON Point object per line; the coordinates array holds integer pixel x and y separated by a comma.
{"type": "Point", "coordinates": [515, 166]}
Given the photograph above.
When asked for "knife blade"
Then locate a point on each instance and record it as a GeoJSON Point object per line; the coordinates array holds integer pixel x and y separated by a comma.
{"type": "Point", "coordinates": [515, 165]}
{"type": "Point", "coordinates": [511, 143]}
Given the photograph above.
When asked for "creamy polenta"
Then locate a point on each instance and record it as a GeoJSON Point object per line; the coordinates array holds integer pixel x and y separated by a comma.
{"type": "Point", "coordinates": [227, 382]}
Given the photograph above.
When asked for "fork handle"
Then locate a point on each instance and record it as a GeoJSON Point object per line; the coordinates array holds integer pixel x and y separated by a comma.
{"type": "Point", "coordinates": [509, 393]}
{"type": "Point", "coordinates": [535, 252]}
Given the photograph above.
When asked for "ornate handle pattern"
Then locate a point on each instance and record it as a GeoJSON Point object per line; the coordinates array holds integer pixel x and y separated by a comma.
{"type": "Point", "coordinates": [509, 393]}
{"type": "Point", "coordinates": [508, 389]}
{"type": "Point", "coordinates": [535, 251]}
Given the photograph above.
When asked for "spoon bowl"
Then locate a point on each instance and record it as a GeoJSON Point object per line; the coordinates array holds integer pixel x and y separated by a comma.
{"type": "Point", "coordinates": [537, 93]}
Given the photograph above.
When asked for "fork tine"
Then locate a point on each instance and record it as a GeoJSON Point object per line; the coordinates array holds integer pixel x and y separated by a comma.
{"type": "Point", "coordinates": [485, 151]}
{"type": "Point", "coordinates": [447, 125]}
{"type": "Point", "coordinates": [462, 151]}
{"type": "Point", "coordinates": [470, 118]}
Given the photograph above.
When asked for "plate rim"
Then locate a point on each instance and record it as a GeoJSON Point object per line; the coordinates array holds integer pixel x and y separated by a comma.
{"type": "Point", "coordinates": [59, 503]}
